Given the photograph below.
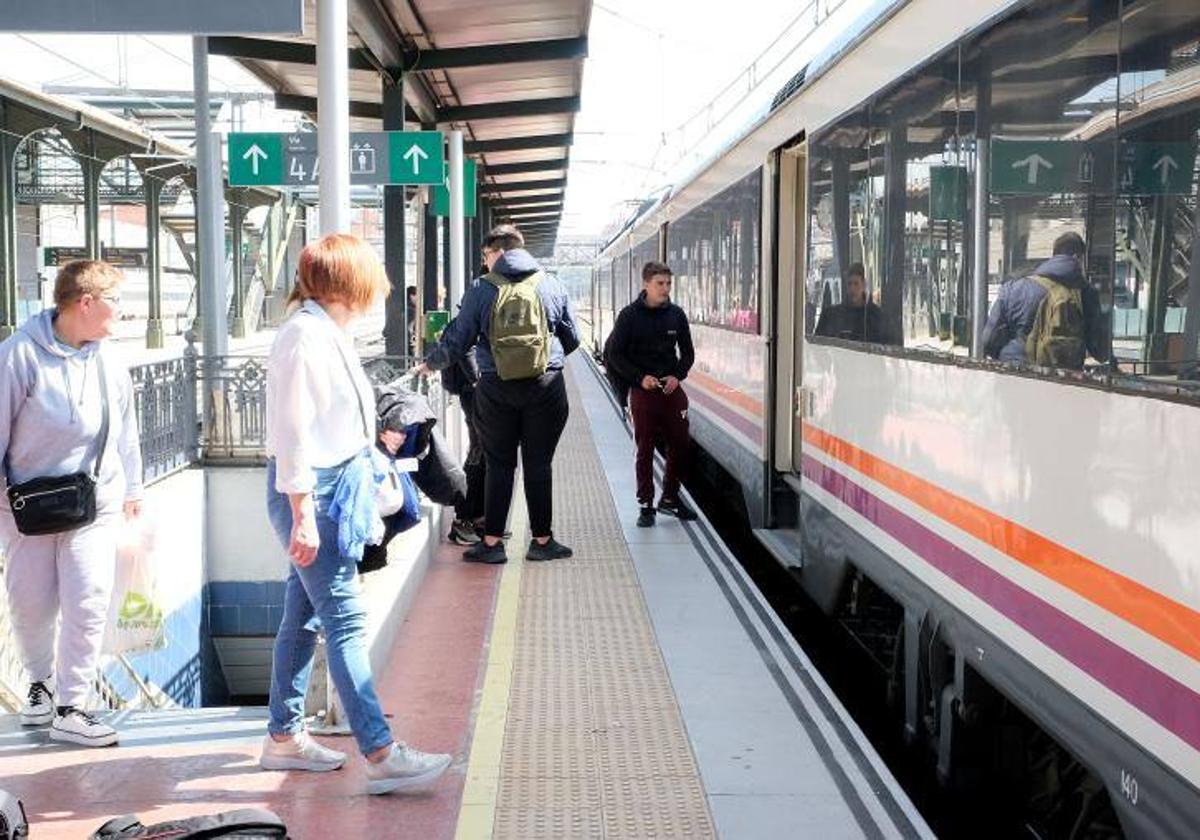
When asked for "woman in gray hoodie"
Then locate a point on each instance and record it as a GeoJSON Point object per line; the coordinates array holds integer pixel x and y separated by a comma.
{"type": "Point", "coordinates": [51, 410]}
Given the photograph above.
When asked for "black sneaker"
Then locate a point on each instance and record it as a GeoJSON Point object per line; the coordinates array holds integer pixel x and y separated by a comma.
{"type": "Point", "coordinates": [552, 550]}
{"type": "Point", "coordinates": [462, 532]}
{"type": "Point", "coordinates": [676, 508]}
{"type": "Point", "coordinates": [481, 533]}
{"type": "Point", "coordinates": [481, 552]}
{"type": "Point", "coordinates": [646, 517]}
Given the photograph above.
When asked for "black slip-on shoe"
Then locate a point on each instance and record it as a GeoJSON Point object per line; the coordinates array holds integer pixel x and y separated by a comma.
{"type": "Point", "coordinates": [646, 517]}
{"type": "Point", "coordinates": [552, 550]}
{"type": "Point", "coordinates": [481, 552]}
{"type": "Point", "coordinates": [676, 508]}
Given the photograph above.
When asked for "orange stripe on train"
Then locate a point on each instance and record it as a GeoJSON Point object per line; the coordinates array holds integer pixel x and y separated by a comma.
{"type": "Point", "coordinates": [1167, 620]}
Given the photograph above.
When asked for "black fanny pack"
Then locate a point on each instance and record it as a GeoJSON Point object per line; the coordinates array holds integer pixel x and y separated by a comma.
{"type": "Point", "coordinates": [53, 504]}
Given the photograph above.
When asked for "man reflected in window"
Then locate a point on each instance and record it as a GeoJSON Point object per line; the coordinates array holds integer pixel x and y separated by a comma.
{"type": "Point", "coordinates": [857, 318]}
{"type": "Point", "coordinates": [1053, 314]}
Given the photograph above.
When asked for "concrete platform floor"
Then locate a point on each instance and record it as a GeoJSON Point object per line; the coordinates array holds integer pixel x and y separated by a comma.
{"type": "Point", "coordinates": [179, 763]}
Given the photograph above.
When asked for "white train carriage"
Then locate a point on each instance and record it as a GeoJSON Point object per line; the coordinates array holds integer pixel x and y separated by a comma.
{"type": "Point", "coordinates": [1037, 530]}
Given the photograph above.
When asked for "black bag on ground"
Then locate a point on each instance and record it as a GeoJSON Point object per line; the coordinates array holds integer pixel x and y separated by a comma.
{"type": "Point", "coordinates": [56, 503]}
{"type": "Point", "coordinates": [247, 823]}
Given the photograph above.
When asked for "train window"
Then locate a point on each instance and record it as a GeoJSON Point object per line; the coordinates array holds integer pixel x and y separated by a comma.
{"type": "Point", "coordinates": [713, 251]}
{"type": "Point", "coordinates": [841, 289]}
{"type": "Point", "coordinates": [646, 252]}
{"type": "Point", "coordinates": [1156, 285]}
{"type": "Point", "coordinates": [919, 170]}
{"type": "Point", "coordinates": [1043, 86]}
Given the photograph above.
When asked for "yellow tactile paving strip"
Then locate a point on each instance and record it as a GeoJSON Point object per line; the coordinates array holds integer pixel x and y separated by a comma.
{"type": "Point", "coordinates": [593, 745]}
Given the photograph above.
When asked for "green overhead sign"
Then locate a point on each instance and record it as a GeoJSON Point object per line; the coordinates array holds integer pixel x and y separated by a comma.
{"type": "Point", "coordinates": [441, 193]}
{"type": "Point", "coordinates": [1043, 167]}
{"type": "Point", "coordinates": [376, 157]}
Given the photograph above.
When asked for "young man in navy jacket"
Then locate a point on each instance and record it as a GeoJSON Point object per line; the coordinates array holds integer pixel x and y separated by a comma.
{"type": "Point", "coordinates": [528, 414]}
{"type": "Point", "coordinates": [651, 349]}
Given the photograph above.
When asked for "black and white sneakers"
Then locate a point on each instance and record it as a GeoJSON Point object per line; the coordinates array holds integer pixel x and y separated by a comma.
{"type": "Point", "coordinates": [676, 508]}
{"type": "Point", "coordinates": [75, 726]}
{"type": "Point", "coordinates": [38, 709]}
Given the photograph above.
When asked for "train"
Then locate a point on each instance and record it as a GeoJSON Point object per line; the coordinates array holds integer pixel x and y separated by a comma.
{"type": "Point", "coordinates": [1030, 535]}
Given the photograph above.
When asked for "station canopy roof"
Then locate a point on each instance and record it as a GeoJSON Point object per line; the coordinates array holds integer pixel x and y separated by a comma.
{"type": "Point", "coordinates": [508, 73]}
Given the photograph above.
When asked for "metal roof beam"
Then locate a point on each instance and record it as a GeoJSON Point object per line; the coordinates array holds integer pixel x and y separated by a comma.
{"type": "Point", "coordinates": [521, 186]}
{"type": "Point", "coordinates": [533, 216]}
{"type": "Point", "coordinates": [492, 54]}
{"type": "Point", "coordinates": [517, 201]}
{"type": "Point", "coordinates": [525, 166]}
{"type": "Point", "coordinates": [289, 52]}
{"type": "Point", "coordinates": [515, 108]}
{"type": "Point", "coordinates": [517, 144]}
{"type": "Point", "coordinates": [378, 32]}
{"type": "Point", "coordinates": [358, 108]}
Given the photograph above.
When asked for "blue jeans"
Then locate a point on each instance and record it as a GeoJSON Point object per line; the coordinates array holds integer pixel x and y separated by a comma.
{"type": "Point", "coordinates": [324, 593]}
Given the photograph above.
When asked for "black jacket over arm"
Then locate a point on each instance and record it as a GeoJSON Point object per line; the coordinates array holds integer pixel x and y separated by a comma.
{"type": "Point", "coordinates": [654, 341]}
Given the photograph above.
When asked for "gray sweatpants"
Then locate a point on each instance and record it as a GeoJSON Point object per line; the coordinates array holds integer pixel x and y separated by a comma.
{"type": "Point", "coordinates": [72, 572]}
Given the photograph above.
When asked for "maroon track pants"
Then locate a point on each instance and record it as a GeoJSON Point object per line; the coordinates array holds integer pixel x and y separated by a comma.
{"type": "Point", "coordinates": [659, 416]}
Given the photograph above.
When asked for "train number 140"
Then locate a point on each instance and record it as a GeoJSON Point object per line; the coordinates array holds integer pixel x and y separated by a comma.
{"type": "Point", "coordinates": [1129, 787]}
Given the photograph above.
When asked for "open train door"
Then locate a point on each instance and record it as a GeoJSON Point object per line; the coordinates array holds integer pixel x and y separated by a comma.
{"type": "Point", "coordinates": [792, 255]}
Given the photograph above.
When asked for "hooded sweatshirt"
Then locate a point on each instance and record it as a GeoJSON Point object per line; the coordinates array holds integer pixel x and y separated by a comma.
{"type": "Point", "coordinates": [1016, 306]}
{"type": "Point", "coordinates": [474, 320]}
{"type": "Point", "coordinates": [51, 413]}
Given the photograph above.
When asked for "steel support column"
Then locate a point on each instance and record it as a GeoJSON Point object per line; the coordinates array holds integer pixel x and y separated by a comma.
{"type": "Point", "coordinates": [210, 216]}
{"type": "Point", "coordinates": [237, 224]}
{"type": "Point", "coordinates": [457, 246]}
{"type": "Point", "coordinates": [154, 324]}
{"type": "Point", "coordinates": [429, 259]}
{"type": "Point", "coordinates": [91, 198]}
{"type": "Point", "coordinates": [8, 230]}
{"type": "Point", "coordinates": [333, 118]}
{"type": "Point", "coordinates": [396, 315]}
{"type": "Point", "coordinates": [979, 251]}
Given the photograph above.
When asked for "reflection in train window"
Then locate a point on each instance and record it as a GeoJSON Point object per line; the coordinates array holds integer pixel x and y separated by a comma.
{"type": "Point", "coordinates": [713, 251]}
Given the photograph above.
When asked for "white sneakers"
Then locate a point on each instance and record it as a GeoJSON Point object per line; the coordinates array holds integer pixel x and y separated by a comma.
{"type": "Point", "coordinates": [405, 768]}
{"type": "Point", "coordinates": [300, 752]}
{"type": "Point", "coordinates": [75, 726]}
{"type": "Point", "coordinates": [38, 709]}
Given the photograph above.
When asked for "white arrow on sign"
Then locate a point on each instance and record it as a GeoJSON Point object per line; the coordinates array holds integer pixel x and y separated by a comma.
{"type": "Point", "coordinates": [1033, 162]}
{"type": "Point", "coordinates": [255, 154]}
{"type": "Point", "coordinates": [416, 154]}
{"type": "Point", "coordinates": [1166, 163]}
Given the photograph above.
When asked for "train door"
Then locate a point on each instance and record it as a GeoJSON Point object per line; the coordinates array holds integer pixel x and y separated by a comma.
{"type": "Point", "coordinates": [792, 243]}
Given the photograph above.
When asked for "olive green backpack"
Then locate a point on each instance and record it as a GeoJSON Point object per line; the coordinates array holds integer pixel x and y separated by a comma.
{"type": "Point", "coordinates": [519, 335]}
{"type": "Point", "coordinates": [1056, 337]}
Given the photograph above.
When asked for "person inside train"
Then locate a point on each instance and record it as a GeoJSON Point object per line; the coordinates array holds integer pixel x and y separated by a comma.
{"type": "Point", "coordinates": [651, 348]}
{"type": "Point", "coordinates": [857, 318]}
{"type": "Point", "coordinates": [1051, 317]}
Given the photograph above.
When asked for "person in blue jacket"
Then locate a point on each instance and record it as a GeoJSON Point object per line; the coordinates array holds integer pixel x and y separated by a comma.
{"type": "Point", "coordinates": [525, 413]}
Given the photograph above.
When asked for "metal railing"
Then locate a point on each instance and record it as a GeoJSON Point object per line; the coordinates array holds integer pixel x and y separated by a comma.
{"type": "Point", "coordinates": [169, 397]}
{"type": "Point", "coordinates": [233, 393]}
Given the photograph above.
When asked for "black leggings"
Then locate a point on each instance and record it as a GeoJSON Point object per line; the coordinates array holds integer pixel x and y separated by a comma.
{"type": "Point", "coordinates": [531, 414]}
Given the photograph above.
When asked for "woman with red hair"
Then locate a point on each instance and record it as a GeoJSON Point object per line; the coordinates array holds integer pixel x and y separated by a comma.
{"type": "Point", "coordinates": [320, 500]}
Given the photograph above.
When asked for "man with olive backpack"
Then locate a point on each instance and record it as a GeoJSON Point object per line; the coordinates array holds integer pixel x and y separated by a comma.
{"type": "Point", "coordinates": [1052, 318]}
{"type": "Point", "coordinates": [519, 321]}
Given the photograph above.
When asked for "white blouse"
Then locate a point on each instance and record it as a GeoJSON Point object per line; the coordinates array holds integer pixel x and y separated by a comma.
{"type": "Point", "coordinates": [316, 408]}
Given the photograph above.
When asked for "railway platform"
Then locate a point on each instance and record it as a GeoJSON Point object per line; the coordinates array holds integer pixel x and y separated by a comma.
{"type": "Point", "coordinates": [642, 688]}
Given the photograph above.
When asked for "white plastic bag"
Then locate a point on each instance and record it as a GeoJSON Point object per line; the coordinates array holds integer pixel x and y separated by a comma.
{"type": "Point", "coordinates": [135, 616]}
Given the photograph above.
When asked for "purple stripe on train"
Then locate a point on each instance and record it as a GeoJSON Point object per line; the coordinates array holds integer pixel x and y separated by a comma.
{"type": "Point", "coordinates": [1171, 703]}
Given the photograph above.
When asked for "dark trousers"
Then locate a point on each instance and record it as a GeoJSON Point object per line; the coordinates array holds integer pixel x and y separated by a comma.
{"type": "Point", "coordinates": [470, 507]}
{"type": "Point", "coordinates": [530, 414]}
{"type": "Point", "coordinates": [658, 415]}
